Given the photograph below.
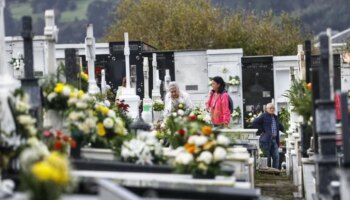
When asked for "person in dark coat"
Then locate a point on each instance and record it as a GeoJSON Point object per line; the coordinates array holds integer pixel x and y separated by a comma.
{"type": "Point", "coordinates": [268, 127]}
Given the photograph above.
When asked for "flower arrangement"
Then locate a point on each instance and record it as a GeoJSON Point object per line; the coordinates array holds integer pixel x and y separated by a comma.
{"type": "Point", "coordinates": [251, 116]}
{"type": "Point", "coordinates": [26, 124]}
{"type": "Point", "coordinates": [202, 154]}
{"type": "Point", "coordinates": [46, 176]}
{"type": "Point", "coordinates": [57, 141]}
{"type": "Point", "coordinates": [200, 114]}
{"type": "Point", "coordinates": [158, 105]}
{"type": "Point", "coordinates": [236, 114]}
{"type": "Point", "coordinates": [234, 81]}
{"type": "Point", "coordinates": [57, 99]}
{"type": "Point", "coordinates": [122, 106]}
{"type": "Point", "coordinates": [145, 149]}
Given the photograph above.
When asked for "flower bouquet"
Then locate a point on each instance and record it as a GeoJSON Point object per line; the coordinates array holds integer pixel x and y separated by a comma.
{"type": "Point", "coordinates": [57, 141]}
{"type": "Point", "coordinates": [202, 154]}
{"type": "Point", "coordinates": [251, 116]}
{"type": "Point", "coordinates": [236, 114]}
{"type": "Point", "coordinates": [158, 105]}
{"type": "Point", "coordinates": [234, 81]}
{"type": "Point", "coordinates": [145, 149]}
{"type": "Point", "coordinates": [47, 177]}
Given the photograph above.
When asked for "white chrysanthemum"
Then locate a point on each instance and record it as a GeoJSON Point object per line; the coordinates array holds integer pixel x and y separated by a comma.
{"type": "Point", "coordinates": [184, 158]}
{"type": "Point", "coordinates": [205, 157]}
{"type": "Point", "coordinates": [26, 119]}
{"type": "Point", "coordinates": [174, 114]}
{"type": "Point", "coordinates": [32, 130]}
{"type": "Point", "coordinates": [223, 140]}
{"type": "Point", "coordinates": [81, 105]}
{"type": "Point", "coordinates": [108, 122]}
{"type": "Point", "coordinates": [111, 113]}
{"type": "Point", "coordinates": [192, 139]}
{"type": "Point", "coordinates": [107, 103]}
{"type": "Point", "coordinates": [73, 116]}
{"type": "Point", "coordinates": [33, 141]}
{"type": "Point", "coordinates": [66, 91]}
{"type": "Point", "coordinates": [219, 154]}
{"type": "Point", "coordinates": [180, 112]}
{"type": "Point", "coordinates": [200, 140]}
{"type": "Point", "coordinates": [72, 101]}
{"type": "Point", "coordinates": [51, 96]}
{"type": "Point", "coordinates": [22, 107]}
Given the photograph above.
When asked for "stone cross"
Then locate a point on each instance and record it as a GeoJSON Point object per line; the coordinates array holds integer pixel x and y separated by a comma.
{"type": "Point", "coordinates": [127, 60]}
{"type": "Point", "coordinates": [156, 81]}
{"type": "Point", "coordinates": [51, 36]}
{"type": "Point", "coordinates": [325, 125]}
{"type": "Point", "coordinates": [91, 57]}
{"type": "Point", "coordinates": [7, 82]}
{"type": "Point", "coordinates": [72, 68]}
{"type": "Point", "coordinates": [147, 102]}
{"type": "Point", "coordinates": [29, 83]}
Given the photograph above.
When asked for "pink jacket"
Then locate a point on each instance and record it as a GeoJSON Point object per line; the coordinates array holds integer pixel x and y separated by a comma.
{"type": "Point", "coordinates": [219, 108]}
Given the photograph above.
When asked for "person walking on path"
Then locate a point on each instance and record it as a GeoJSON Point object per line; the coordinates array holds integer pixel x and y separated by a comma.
{"type": "Point", "coordinates": [268, 127]}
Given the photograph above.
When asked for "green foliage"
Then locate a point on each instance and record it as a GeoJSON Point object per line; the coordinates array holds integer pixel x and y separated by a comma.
{"type": "Point", "coordinates": [284, 117]}
{"type": "Point", "coordinates": [300, 97]}
{"type": "Point", "coordinates": [197, 24]}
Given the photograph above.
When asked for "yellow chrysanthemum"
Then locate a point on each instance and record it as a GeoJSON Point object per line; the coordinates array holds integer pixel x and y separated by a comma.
{"type": "Point", "coordinates": [72, 95]}
{"type": "Point", "coordinates": [84, 76]}
{"type": "Point", "coordinates": [59, 87]}
{"type": "Point", "coordinates": [101, 131]}
{"type": "Point", "coordinates": [80, 93]}
{"type": "Point", "coordinates": [42, 171]}
{"type": "Point", "coordinates": [104, 110]}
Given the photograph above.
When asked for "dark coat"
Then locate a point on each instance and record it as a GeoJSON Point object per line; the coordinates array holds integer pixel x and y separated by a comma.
{"type": "Point", "coordinates": [263, 124]}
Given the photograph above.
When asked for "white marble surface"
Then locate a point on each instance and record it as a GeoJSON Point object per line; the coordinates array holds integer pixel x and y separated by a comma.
{"type": "Point", "coordinates": [155, 179]}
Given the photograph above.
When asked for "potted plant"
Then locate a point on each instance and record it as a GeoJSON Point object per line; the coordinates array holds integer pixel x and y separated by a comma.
{"type": "Point", "coordinates": [233, 83]}
{"type": "Point", "coordinates": [300, 97]}
{"type": "Point", "coordinates": [158, 108]}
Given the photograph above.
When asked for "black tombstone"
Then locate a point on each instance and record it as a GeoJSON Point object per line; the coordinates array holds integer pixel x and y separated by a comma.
{"type": "Point", "coordinates": [258, 84]}
{"type": "Point", "coordinates": [165, 61]}
{"type": "Point", "coordinates": [72, 68]}
{"type": "Point", "coordinates": [101, 62]}
{"type": "Point", "coordinates": [115, 69]}
{"type": "Point", "coordinates": [315, 63]}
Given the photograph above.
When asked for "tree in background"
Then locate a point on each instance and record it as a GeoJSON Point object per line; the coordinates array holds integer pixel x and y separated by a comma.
{"type": "Point", "coordinates": [197, 24]}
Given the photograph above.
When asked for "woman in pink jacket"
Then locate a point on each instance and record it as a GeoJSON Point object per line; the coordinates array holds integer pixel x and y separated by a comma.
{"type": "Point", "coordinates": [218, 103]}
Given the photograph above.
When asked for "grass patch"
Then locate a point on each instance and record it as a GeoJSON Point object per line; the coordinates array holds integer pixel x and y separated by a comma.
{"type": "Point", "coordinates": [79, 13]}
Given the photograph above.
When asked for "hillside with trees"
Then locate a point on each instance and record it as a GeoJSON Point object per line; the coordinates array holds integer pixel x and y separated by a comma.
{"type": "Point", "coordinates": [73, 15]}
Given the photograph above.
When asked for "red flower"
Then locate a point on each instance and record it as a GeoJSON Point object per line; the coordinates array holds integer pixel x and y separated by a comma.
{"type": "Point", "coordinates": [73, 144]}
{"type": "Point", "coordinates": [182, 132]}
{"type": "Point", "coordinates": [66, 138]}
{"type": "Point", "coordinates": [193, 118]}
{"type": "Point", "coordinates": [58, 145]}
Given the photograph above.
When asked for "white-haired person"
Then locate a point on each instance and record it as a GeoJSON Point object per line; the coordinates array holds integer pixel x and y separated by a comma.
{"type": "Point", "coordinates": [174, 97]}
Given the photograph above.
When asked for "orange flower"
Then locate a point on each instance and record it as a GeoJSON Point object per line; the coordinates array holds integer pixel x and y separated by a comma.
{"type": "Point", "coordinates": [207, 130]}
{"type": "Point", "coordinates": [190, 148]}
{"type": "Point", "coordinates": [208, 145]}
{"type": "Point", "coordinates": [309, 86]}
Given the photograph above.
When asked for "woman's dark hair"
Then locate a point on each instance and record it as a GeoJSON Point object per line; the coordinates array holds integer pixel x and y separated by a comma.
{"type": "Point", "coordinates": [221, 82]}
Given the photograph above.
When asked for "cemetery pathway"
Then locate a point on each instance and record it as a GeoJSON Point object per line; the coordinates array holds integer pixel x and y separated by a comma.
{"type": "Point", "coordinates": [277, 187]}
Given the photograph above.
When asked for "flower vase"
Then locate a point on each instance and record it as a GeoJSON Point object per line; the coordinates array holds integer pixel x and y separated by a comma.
{"type": "Point", "coordinates": [234, 88]}
{"type": "Point", "coordinates": [78, 137]}
{"type": "Point", "coordinates": [53, 120]}
{"type": "Point", "coordinates": [200, 175]}
{"type": "Point", "coordinates": [157, 115]}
